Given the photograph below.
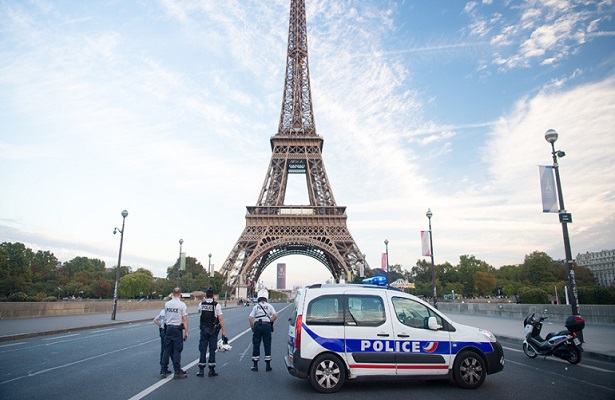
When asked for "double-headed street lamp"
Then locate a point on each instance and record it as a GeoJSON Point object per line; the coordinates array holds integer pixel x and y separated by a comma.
{"type": "Point", "coordinates": [386, 244]}
{"type": "Point", "coordinates": [119, 263]}
{"type": "Point", "coordinates": [429, 214]}
{"type": "Point", "coordinates": [551, 136]}
{"type": "Point", "coordinates": [179, 260]}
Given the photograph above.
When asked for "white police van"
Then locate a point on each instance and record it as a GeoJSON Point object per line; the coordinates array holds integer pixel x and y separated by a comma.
{"type": "Point", "coordinates": [340, 332]}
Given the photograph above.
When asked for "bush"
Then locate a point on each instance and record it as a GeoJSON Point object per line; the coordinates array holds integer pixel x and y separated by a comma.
{"type": "Point", "coordinates": [533, 296]}
{"type": "Point", "coordinates": [18, 296]}
{"type": "Point", "coordinates": [596, 295]}
{"type": "Point", "coordinates": [50, 299]}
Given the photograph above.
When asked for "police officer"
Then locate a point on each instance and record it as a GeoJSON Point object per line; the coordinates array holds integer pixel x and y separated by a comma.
{"type": "Point", "coordinates": [175, 321]}
{"type": "Point", "coordinates": [211, 315]}
{"type": "Point", "coordinates": [261, 321]}
{"type": "Point", "coordinates": [159, 320]}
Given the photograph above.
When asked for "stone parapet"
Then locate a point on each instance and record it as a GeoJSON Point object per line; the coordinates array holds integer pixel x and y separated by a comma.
{"type": "Point", "coordinates": [593, 314]}
{"type": "Point", "coordinates": [13, 310]}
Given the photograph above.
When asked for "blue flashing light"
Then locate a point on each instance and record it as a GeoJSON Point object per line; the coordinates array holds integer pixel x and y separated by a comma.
{"type": "Point", "coordinates": [378, 280]}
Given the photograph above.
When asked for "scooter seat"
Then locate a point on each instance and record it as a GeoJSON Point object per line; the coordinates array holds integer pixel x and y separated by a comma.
{"type": "Point", "coordinates": [552, 334]}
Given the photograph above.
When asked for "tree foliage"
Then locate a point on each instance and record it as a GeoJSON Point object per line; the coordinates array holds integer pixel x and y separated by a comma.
{"type": "Point", "coordinates": [26, 275]}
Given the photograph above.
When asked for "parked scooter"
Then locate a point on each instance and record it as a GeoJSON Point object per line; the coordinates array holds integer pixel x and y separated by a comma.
{"type": "Point", "coordinates": [564, 344]}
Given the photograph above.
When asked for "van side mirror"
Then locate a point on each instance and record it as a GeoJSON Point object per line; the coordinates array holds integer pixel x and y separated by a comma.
{"type": "Point", "coordinates": [432, 324]}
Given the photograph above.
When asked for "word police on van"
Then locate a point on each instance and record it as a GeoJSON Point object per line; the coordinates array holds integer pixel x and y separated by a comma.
{"type": "Point", "coordinates": [340, 332]}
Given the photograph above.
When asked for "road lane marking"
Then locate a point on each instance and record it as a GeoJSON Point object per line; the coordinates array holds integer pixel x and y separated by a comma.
{"type": "Point", "coordinates": [76, 362]}
{"type": "Point", "coordinates": [158, 384]}
{"type": "Point", "coordinates": [562, 376]}
{"type": "Point", "coordinates": [11, 344]}
{"type": "Point", "coordinates": [565, 362]}
{"type": "Point", "coordinates": [102, 330]}
{"type": "Point", "coordinates": [511, 349]}
{"type": "Point", "coordinates": [61, 337]}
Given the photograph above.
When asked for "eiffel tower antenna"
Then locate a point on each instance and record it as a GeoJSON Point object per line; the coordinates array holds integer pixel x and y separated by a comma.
{"type": "Point", "coordinates": [274, 229]}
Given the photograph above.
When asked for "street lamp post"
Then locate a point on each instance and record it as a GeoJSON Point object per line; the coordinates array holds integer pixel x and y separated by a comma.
{"type": "Point", "coordinates": [551, 136]}
{"type": "Point", "coordinates": [179, 260]}
{"type": "Point", "coordinates": [386, 244]}
{"type": "Point", "coordinates": [429, 214]}
{"type": "Point", "coordinates": [208, 269]}
{"type": "Point", "coordinates": [119, 263]}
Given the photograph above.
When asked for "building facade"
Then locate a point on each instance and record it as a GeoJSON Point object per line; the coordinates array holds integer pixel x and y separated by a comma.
{"type": "Point", "coordinates": [601, 264]}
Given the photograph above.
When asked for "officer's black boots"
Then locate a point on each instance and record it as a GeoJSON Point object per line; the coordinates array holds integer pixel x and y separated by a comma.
{"type": "Point", "coordinates": [212, 371]}
{"type": "Point", "coordinates": [268, 368]}
{"type": "Point", "coordinates": [201, 372]}
{"type": "Point", "coordinates": [255, 367]}
{"type": "Point", "coordinates": [181, 374]}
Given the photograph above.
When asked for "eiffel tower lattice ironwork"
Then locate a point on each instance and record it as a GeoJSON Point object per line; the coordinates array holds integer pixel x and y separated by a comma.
{"type": "Point", "coordinates": [273, 229]}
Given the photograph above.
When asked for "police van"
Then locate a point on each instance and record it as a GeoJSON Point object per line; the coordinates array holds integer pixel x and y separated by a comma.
{"type": "Point", "coordinates": [340, 332]}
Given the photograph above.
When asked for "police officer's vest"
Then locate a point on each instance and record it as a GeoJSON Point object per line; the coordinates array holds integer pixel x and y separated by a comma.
{"type": "Point", "coordinates": [208, 314]}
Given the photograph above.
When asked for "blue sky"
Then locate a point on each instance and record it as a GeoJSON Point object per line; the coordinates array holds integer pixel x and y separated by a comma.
{"type": "Point", "coordinates": [165, 108]}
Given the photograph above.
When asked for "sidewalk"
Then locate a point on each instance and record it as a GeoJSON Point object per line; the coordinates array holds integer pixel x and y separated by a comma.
{"type": "Point", "coordinates": [599, 343]}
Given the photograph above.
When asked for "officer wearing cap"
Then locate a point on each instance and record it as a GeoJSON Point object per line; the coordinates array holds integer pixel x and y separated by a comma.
{"type": "Point", "coordinates": [211, 315]}
{"type": "Point", "coordinates": [175, 321]}
{"type": "Point", "coordinates": [261, 321]}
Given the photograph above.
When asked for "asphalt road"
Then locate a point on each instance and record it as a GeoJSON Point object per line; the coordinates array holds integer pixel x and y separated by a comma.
{"type": "Point", "coordinates": [121, 362]}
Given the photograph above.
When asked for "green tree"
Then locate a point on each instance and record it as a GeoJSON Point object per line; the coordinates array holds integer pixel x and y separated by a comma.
{"type": "Point", "coordinates": [484, 283]}
{"type": "Point", "coordinates": [15, 271]}
{"type": "Point", "coordinates": [468, 267]}
{"type": "Point", "coordinates": [132, 285]}
{"type": "Point", "coordinates": [538, 268]}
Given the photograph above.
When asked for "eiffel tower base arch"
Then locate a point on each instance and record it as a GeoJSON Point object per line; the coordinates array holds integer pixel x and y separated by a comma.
{"type": "Point", "coordinates": [274, 232]}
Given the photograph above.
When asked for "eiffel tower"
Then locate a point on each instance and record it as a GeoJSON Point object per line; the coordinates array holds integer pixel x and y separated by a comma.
{"type": "Point", "coordinates": [273, 229]}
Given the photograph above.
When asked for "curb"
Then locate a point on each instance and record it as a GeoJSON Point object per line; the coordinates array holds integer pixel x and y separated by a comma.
{"type": "Point", "coordinates": [17, 336]}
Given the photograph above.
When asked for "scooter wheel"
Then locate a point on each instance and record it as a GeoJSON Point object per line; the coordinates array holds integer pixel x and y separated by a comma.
{"type": "Point", "coordinates": [529, 350]}
{"type": "Point", "coordinates": [575, 355]}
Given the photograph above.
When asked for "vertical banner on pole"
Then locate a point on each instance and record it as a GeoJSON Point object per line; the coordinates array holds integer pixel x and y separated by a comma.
{"type": "Point", "coordinates": [182, 261]}
{"type": "Point", "coordinates": [425, 240]}
{"type": "Point", "coordinates": [383, 263]}
{"type": "Point", "coordinates": [547, 189]}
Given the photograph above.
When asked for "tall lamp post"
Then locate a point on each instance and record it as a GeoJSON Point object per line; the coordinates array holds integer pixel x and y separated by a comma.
{"type": "Point", "coordinates": [179, 260]}
{"type": "Point", "coordinates": [386, 245]}
{"type": "Point", "coordinates": [208, 270]}
{"type": "Point", "coordinates": [551, 136]}
{"type": "Point", "coordinates": [429, 214]}
{"type": "Point", "coordinates": [119, 263]}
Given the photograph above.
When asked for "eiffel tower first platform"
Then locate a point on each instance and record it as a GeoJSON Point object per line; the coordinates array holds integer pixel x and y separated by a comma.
{"type": "Point", "coordinates": [273, 229]}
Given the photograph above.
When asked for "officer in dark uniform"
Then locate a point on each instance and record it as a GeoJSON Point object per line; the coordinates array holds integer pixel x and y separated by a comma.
{"type": "Point", "coordinates": [211, 315]}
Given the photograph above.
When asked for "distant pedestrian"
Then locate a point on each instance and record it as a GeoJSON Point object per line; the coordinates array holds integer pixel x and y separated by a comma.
{"type": "Point", "coordinates": [261, 321]}
{"type": "Point", "coordinates": [211, 320]}
{"type": "Point", "coordinates": [176, 321]}
{"type": "Point", "coordinates": [159, 320]}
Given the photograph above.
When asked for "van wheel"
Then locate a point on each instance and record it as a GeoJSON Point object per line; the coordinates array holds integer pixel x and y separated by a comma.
{"type": "Point", "coordinates": [328, 373]}
{"type": "Point", "coordinates": [469, 370]}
